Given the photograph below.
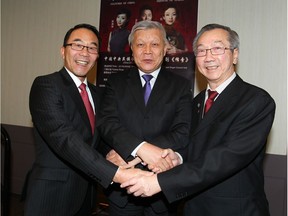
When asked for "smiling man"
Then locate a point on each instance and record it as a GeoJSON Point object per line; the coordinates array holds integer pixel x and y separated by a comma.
{"type": "Point", "coordinates": [63, 106]}
{"type": "Point", "coordinates": [139, 126]}
{"type": "Point", "coordinates": [223, 175]}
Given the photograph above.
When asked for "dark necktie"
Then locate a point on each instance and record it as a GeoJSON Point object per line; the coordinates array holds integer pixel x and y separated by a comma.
{"type": "Point", "coordinates": [211, 96]}
{"type": "Point", "coordinates": [88, 106]}
{"type": "Point", "coordinates": [147, 87]}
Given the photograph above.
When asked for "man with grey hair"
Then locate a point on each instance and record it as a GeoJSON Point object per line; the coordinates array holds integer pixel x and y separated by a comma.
{"type": "Point", "coordinates": [145, 110]}
{"type": "Point", "coordinates": [223, 175]}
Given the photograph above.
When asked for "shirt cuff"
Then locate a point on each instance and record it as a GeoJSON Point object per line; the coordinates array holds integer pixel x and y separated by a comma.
{"type": "Point", "coordinates": [134, 153]}
{"type": "Point", "coordinates": [181, 159]}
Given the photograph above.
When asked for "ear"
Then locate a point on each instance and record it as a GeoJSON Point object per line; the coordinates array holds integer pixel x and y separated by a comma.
{"type": "Point", "coordinates": [62, 52]}
{"type": "Point", "coordinates": [235, 56]}
{"type": "Point", "coordinates": [165, 49]}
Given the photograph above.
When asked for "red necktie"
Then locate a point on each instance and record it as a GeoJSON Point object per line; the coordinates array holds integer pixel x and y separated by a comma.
{"type": "Point", "coordinates": [88, 106]}
{"type": "Point", "coordinates": [211, 96]}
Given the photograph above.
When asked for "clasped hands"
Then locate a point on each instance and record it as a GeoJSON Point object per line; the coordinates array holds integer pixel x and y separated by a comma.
{"type": "Point", "coordinates": [139, 182]}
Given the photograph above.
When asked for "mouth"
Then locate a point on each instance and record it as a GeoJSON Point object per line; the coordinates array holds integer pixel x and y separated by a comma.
{"type": "Point", "coordinates": [82, 62]}
{"type": "Point", "coordinates": [147, 61]}
{"type": "Point", "coordinates": [211, 67]}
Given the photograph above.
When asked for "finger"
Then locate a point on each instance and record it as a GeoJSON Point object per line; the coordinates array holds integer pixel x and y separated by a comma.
{"type": "Point", "coordinates": [128, 184]}
{"type": "Point", "coordinates": [165, 153]}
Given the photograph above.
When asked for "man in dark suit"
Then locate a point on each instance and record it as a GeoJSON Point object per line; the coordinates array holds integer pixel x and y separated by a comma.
{"type": "Point", "coordinates": [67, 166]}
{"type": "Point", "coordinates": [223, 175]}
{"type": "Point", "coordinates": [134, 129]}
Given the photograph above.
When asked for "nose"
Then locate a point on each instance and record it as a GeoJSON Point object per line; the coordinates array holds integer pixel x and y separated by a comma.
{"type": "Point", "coordinates": [84, 51]}
{"type": "Point", "coordinates": [209, 55]}
{"type": "Point", "coordinates": [147, 49]}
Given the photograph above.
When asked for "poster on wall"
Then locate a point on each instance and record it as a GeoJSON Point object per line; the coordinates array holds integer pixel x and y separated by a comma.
{"type": "Point", "coordinates": [117, 17]}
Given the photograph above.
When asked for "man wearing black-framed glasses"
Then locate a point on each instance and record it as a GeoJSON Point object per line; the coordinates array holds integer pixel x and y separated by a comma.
{"type": "Point", "coordinates": [64, 108]}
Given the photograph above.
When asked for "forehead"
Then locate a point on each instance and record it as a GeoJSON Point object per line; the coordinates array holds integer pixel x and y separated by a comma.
{"type": "Point", "coordinates": [170, 10]}
{"type": "Point", "coordinates": [213, 37]}
{"type": "Point", "coordinates": [84, 35]}
{"type": "Point", "coordinates": [123, 15]}
{"type": "Point", "coordinates": [148, 34]}
{"type": "Point", "coordinates": [147, 11]}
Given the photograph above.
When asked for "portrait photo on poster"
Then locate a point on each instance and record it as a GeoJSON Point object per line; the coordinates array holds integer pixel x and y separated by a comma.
{"type": "Point", "coordinates": [117, 17]}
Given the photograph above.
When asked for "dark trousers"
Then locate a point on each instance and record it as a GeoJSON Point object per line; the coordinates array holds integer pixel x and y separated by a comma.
{"type": "Point", "coordinates": [132, 209]}
{"type": "Point", "coordinates": [87, 206]}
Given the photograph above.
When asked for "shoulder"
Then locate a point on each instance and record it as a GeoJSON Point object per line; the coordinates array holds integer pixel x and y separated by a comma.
{"type": "Point", "coordinates": [175, 78]}
{"type": "Point", "coordinates": [122, 75]}
{"type": "Point", "coordinates": [249, 90]}
{"type": "Point", "coordinates": [58, 75]}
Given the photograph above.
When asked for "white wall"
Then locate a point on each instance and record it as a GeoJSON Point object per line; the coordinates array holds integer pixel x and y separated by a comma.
{"type": "Point", "coordinates": [33, 30]}
{"type": "Point", "coordinates": [262, 28]}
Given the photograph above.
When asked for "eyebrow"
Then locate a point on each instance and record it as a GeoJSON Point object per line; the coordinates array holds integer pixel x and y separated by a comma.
{"type": "Point", "coordinates": [79, 40]}
{"type": "Point", "coordinates": [214, 42]}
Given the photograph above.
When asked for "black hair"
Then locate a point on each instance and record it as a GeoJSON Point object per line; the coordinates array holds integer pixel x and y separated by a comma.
{"type": "Point", "coordinates": [83, 25]}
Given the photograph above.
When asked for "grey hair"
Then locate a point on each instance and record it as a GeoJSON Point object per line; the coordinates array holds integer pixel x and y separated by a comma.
{"type": "Point", "coordinates": [233, 37]}
{"type": "Point", "coordinates": [146, 24]}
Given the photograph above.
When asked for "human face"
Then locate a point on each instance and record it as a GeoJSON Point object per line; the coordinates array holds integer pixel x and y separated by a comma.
{"type": "Point", "coordinates": [147, 15]}
{"type": "Point", "coordinates": [121, 20]}
{"type": "Point", "coordinates": [216, 68]}
{"type": "Point", "coordinates": [80, 62]}
{"type": "Point", "coordinates": [170, 16]}
{"type": "Point", "coordinates": [148, 49]}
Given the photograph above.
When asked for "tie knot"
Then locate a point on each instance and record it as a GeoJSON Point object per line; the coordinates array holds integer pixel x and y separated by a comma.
{"type": "Point", "coordinates": [147, 77]}
{"type": "Point", "coordinates": [83, 87]}
{"type": "Point", "coordinates": [212, 94]}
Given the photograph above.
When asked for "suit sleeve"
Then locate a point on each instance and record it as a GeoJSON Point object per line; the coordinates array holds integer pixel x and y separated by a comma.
{"type": "Point", "coordinates": [238, 143]}
{"type": "Point", "coordinates": [62, 127]}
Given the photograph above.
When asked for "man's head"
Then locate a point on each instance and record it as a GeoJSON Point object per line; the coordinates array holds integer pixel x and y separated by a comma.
{"type": "Point", "coordinates": [80, 49]}
{"type": "Point", "coordinates": [148, 44]}
{"type": "Point", "coordinates": [216, 48]}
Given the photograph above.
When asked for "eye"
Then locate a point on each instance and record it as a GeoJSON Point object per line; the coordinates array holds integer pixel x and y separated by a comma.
{"type": "Point", "coordinates": [92, 48]}
{"type": "Point", "coordinates": [79, 46]}
{"type": "Point", "coordinates": [155, 44]}
{"type": "Point", "coordinates": [217, 49]}
{"type": "Point", "coordinates": [199, 51]}
{"type": "Point", "coordinates": [140, 45]}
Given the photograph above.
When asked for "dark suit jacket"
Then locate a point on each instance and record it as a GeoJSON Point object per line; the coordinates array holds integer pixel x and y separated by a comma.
{"type": "Point", "coordinates": [66, 158]}
{"type": "Point", "coordinates": [223, 175]}
{"type": "Point", "coordinates": [126, 122]}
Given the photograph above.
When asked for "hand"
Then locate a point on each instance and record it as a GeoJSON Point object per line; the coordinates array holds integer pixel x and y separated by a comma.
{"type": "Point", "coordinates": [115, 158]}
{"type": "Point", "coordinates": [176, 160]}
{"type": "Point", "coordinates": [171, 49]}
{"type": "Point", "coordinates": [123, 175]}
{"type": "Point", "coordinates": [152, 156]}
{"type": "Point", "coordinates": [142, 185]}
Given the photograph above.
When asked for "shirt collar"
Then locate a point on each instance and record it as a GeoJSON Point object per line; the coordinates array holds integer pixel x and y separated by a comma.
{"type": "Point", "coordinates": [221, 87]}
{"type": "Point", "coordinates": [154, 73]}
{"type": "Point", "coordinates": [76, 80]}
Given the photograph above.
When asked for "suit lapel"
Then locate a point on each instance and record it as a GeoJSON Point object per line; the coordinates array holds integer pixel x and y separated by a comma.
{"type": "Point", "coordinates": [73, 91]}
{"type": "Point", "coordinates": [160, 87]}
{"type": "Point", "coordinates": [229, 96]}
{"type": "Point", "coordinates": [135, 86]}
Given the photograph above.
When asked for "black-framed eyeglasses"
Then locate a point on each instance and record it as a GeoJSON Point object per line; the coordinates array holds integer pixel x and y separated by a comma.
{"type": "Point", "coordinates": [80, 47]}
{"type": "Point", "coordinates": [213, 50]}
